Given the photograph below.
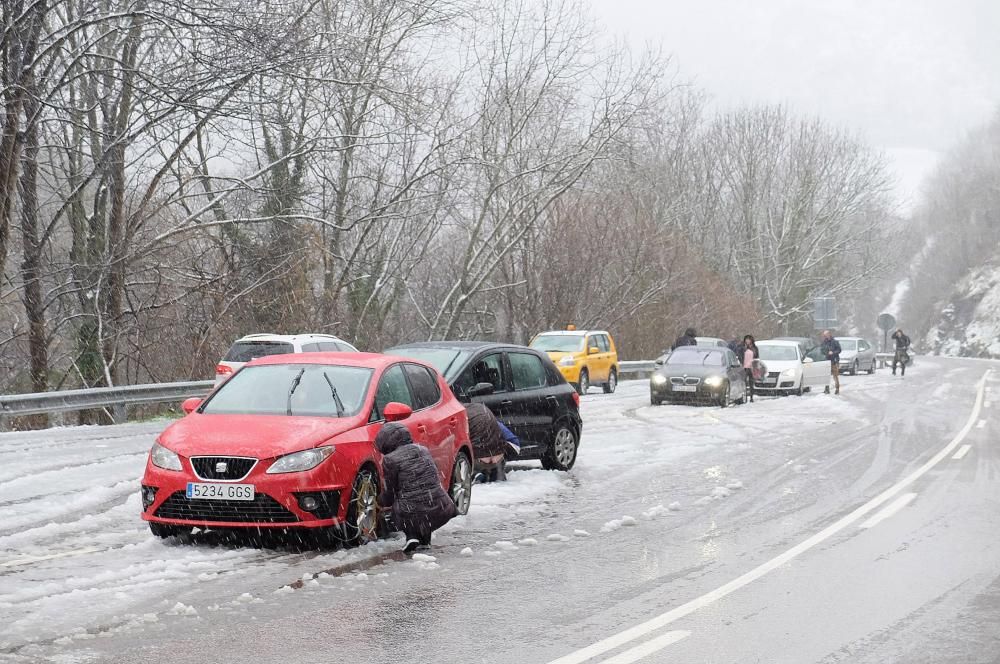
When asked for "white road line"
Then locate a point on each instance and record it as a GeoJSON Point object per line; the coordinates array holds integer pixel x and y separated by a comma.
{"type": "Point", "coordinates": [962, 451]}
{"type": "Point", "coordinates": [664, 619]}
{"type": "Point", "coordinates": [888, 511]}
{"type": "Point", "coordinates": [648, 648]}
{"type": "Point", "coordinates": [980, 424]}
{"type": "Point", "coordinates": [52, 556]}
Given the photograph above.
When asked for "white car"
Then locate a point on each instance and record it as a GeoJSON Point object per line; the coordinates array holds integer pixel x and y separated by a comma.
{"type": "Point", "coordinates": [789, 369]}
{"type": "Point", "coordinates": [253, 346]}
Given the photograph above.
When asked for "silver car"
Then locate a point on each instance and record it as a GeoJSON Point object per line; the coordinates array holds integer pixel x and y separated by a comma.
{"type": "Point", "coordinates": [856, 355]}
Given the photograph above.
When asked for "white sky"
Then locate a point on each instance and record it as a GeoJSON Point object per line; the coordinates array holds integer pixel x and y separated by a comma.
{"type": "Point", "coordinates": [912, 76]}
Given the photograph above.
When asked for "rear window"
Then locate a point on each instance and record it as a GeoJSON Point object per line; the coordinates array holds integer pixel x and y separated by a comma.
{"type": "Point", "coordinates": [446, 360]}
{"type": "Point", "coordinates": [244, 351]}
{"type": "Point", "coordinates": [423, 386]}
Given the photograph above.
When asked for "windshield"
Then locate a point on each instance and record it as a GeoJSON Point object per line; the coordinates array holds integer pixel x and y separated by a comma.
{"type": "Point", "coordinates": [697, 357]}
{"type": "Point", "coordinates": [265, 390]}
{"type": "Point", "coordinates": [849, 344]}
{"type": "Point", "coordinates": [448, 361]}
{"type": "Point", "coordinates": [560, 343]}
{"type": "Point", "coordinates": [244, 351]}
{"type": "Point", "coordinates": [778, 353]}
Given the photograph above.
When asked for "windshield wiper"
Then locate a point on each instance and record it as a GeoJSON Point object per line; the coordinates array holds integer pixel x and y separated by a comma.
{"type": "Point", "coordinates": [291, 390]}
{"type": "Point", "coordinates": [336, 397]}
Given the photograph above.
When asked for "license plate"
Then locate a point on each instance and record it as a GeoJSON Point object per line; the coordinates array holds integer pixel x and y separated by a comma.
{"type": "Point", "coordinates": [201, 491]}
{"type": "Point", "coordinates": [685, 388]}
{"type": "Point", "coordinates": [772, 381]}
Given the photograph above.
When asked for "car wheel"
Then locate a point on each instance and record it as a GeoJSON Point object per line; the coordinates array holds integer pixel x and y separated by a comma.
{"type": "Point", "coordinates": [854, 368]}
{"type": "Point", "coordinates": [612, 384]}
{"type": "Point", "coordinates": [724, 396]}
{"type": "Point", "coordinates": [584, 383]}
{"type": "Point", "coordinates": [561, 454]}
{"type": "Point", "coordinates": [871, 369]}
{"type": "Point", "coordinates": [362, 523]}
{"type": "Point", "coordinates": [163, 530]}
{"type": "Point", "coordinates": [461, 483]}
{"type": "Point", "coordinates": [654, 401]}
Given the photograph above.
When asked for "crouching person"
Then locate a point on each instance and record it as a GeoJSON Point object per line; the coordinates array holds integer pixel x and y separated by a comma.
{"type": "Point", "coordinates": [488, 443]}
{"type": "Point", "coordinates": [411, 487]}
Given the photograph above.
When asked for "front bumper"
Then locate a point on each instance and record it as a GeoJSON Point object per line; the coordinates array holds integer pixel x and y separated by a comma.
{"type": "Point", "coordinates": [275, 504]}
{"type": "Point", "coordinates": [571, 373]}
{"type": "Point", "coordinates": [664, 392]}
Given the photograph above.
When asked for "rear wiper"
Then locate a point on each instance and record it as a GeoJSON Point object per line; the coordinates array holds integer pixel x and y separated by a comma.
{"type": "Point", "coordinates": [291, 390]}
{"type": "Point", "coordinates": [336, 397]}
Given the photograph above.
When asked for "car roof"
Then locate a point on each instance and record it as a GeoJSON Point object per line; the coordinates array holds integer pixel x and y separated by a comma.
{"type": "Point", "coordinates": [851, 338]}
{"type": "Point", "coordinates": [455, 345]}
{"type": "Point", "coordinates": [779, 342]}
{"type": "Point", "coordinates": [569, 333]}
{"type": "Point", "coordinates": [290, 338]}
{"type": "Point", "coordinates": [368, 360]}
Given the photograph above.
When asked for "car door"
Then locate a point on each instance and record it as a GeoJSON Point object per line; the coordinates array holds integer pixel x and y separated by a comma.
{"type": "Point", "coordinates": [867, 355]}
{"type": "Point", "coordinates": [491, 368]}
{"type": "Point", "coordinates": [596, 362]}
{"type": "Point", "coordinates": [817, 372]}
{"type": "Point", "coordinates": [531, 406]}
{"type": "Point", "coordinates": [737, 375]}
{"type": "Point", "coordinates": [433, 422]}
{"type": "Point", "coordinates": [606, 357]}
{"type": "Point", "coordinates": [393, 386]}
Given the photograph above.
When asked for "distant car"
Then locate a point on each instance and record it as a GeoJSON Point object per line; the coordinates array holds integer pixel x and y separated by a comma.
{"type": "Point", "coordinates": [791, 368]}
{"type": "Point", "coordinates": [520, 385]}
{"type": "Point", "coordinates": [856, 354]}
{"type": "Point", "coordinates": [697, 373]}
{"type": "Point", "coordinates": [288, 443]}
{"type": "Point", "coordinates": [710, 342]}
{"type": "Point", "coordinates": [253, 346]}
{"type": "Point", "coordinates": [584, 357]}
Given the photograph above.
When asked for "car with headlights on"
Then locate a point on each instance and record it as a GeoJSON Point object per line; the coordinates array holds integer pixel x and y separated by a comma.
{"type": "Point", "coordinates": [584, 357]}
{"type": "Point", "coordinates": [791, 368]}
{"type": "Point", "coordinates": [287, 443]}
{"type": "Point", "coordinates": [699, 374]}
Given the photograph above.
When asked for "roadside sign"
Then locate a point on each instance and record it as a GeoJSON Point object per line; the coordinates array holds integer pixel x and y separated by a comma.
{"type": "Point", "coordinates": [886, 322]}
{"type": "Point", "coordinates": [824, 312]}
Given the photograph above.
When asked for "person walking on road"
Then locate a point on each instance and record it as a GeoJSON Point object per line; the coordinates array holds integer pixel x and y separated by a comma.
{"type": "Point", "coordinates": [412, 487]}
{"type": "Point", "coordinates": [831, 351]}
{"type": "Point", "coordinates": [488, 443]}
{"type": "Point", "coordinates": [902, 355]}
{"type": "Point", "coordinates": [750, 354]}
{"type": "Point", "coordinates": [686, 339]}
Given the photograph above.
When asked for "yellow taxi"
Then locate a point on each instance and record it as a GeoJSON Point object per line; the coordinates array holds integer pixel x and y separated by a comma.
{"type": "Point", "coordinates": [585, 357]}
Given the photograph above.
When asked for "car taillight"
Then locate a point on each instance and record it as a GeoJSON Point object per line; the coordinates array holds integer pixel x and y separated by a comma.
{"type": "Point", "coordinates": [223, 370]}
{"type": "Point", "coordinates": [576, 398]}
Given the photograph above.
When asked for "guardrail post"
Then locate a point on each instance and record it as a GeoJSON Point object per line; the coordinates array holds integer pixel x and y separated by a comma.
{"type": "Point", "coordinates": [119, 413]}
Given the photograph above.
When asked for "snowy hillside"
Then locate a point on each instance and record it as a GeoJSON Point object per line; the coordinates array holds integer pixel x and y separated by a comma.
{"type": "Point", "coordinates": [969, 321]}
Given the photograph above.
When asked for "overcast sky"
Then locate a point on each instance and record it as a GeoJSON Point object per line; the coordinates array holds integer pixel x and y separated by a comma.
{"type": "Point", "coordinates": [912, 76]}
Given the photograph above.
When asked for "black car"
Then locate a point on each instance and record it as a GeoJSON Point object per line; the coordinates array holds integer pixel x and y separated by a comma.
{"type": "Point", "coordinates": [695, 373]}
{"type": "Point", "coordinates": [520, 385]}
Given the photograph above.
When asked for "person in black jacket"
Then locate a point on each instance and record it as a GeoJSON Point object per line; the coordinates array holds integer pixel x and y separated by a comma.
{"type": "Point", "coordinates": [686, 339]}
{"type": "Point", "coordinates": [831, 351]}
{"type": "Point", "coordinates": [488, 442]}
{"type": "Point", "coordinates": [411, 486]}
{"type": "Point", "coordinates": [902, 355]}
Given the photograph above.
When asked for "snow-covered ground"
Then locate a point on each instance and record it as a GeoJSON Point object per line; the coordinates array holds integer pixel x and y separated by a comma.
{"type": "Point", "coordinates": [77, 563]}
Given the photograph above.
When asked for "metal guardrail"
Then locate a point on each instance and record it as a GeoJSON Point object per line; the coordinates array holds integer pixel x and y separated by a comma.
{"type": "Point", "coordinates": [117, 398]}
{"type": "Point", "coordinates": [635, 369]}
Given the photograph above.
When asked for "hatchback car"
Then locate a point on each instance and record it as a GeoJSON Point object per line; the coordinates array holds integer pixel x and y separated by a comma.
{"type": "Point", "coordinates": [856, 355]}
{"type": "Point", "coordinates": [699, 373]}
{"type": "Point", "coordinates": [791, 368]}
{"type": "Point", "coordinates": [261, 345]}
{"type": "Point", "coordinates": [520, 385]}
{"type": "Point", "coordinates": [584, 357]}
{"type": "Point", "coordinates": [288, 443]}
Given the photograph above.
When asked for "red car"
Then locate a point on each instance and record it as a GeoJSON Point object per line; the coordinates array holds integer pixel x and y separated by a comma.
{"type": "Point", "coordinates": [288, 442]}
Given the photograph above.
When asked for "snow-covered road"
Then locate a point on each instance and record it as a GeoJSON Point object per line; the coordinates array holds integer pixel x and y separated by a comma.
{"type": "Point", "coordinates": [664, 504]}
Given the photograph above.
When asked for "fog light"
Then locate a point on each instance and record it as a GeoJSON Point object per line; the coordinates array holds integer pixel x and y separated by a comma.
{"type": "Point", "coordinates": [148, 496]}
{"type": "Point", "coordinates": [308, 503]}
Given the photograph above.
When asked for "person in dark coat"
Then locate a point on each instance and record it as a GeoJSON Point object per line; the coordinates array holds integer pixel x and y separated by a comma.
{"type": "Point", "coordinates": [902, 354]}
{"type": "Point", "coordinates": [488, 444]}
{"type": "Point", "coordinates": [411, 486]}
{"type": "Point", "coordinates": [686, 339]}
{"type": "Point", "coordinates": [831, 351]}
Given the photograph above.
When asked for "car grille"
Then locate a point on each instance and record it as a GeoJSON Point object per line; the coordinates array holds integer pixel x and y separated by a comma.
{"type": "Point", "coordinates": [262, 509]}
{"type": "Point", "coordinates": [691, 380]}
{"type": "Point", "coordinates": [236, 467]}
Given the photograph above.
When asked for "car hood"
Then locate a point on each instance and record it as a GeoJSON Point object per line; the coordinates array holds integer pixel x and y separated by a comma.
{"type": "Point", "coordinates": [845, 354]}
{"type": "Point", "coordinates": [556, 355]}
{"type": "Point", "coordinates": [781, 365]}
{"type": "Point", "coordinates": [694, 370]}
{"type": "Point", "coordinates": [260, 436]}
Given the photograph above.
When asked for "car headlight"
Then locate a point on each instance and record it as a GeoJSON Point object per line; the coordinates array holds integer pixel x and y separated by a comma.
{"type": "Point", "coordinates": [299, 461]}
{"type": "Point", "coordinates": [567, 361]}
{"type": "Point", "coordinates": [658, 379]}
{"type": "Point", "coordinates": [790, 373]}
{"type": "Point", "coordinates": [164, 458]}
{"type": "Point", "coordinates": [713, 381]}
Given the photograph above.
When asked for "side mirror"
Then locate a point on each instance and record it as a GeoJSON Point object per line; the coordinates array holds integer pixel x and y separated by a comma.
{"type": "Point", "coordinates": [807, 360]}
{"type": "Point", "coordinates": [190, 405]}
{"type": "Point", "coordinates": [481, 390]}
{"type": "Point", "coordinates": [395, 411]}
{"type": "Point", "coordinates": [594, 350]}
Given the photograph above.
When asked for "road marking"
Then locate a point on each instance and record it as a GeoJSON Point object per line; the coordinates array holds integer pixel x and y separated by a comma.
{"type": "Point", "coordinates": [886, 512]}
{"type": "Point", "coordinates": [642, 629]}
{"type": "Point", "coordinates": [648, 648]}
{"type": "Point", "coordinates": [962, 451]}
{"type": "Point", "coordinates": [980, 424]}
{"type": "Point", "coordinates": [52, 556]}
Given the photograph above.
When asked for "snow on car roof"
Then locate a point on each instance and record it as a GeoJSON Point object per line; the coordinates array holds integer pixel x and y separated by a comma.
{"type": "Point", "coordinates": [287, 337]}
{"type": "Point", "coordinates": [569, 333]}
